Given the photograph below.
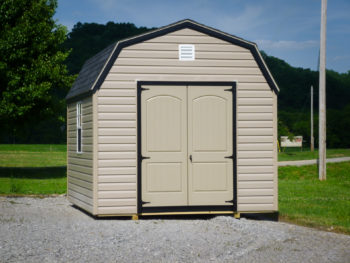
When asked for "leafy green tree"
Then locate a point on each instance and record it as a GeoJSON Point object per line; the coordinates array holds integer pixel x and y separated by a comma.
{"type": "Point", "coordinates": [87, 39]}
{"type": "Point", "coordinates": [33, 77]}
{"type": "Point", "coordinates": [283, 130]}
{"type": "Point", "coordinates": [294, 102]}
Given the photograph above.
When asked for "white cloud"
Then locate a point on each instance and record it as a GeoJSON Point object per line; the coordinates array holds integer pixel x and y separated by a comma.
{"type": "Point", "coordinates": [107, 5]}
{"type": "Point", "coordinates": [341, 57]}
{"type": "Point", "coordinates": [246, 20]}
{"type": "Point", "coordinates": [286, 44]}
{"type": "Point", "coordinates": [68, 24]}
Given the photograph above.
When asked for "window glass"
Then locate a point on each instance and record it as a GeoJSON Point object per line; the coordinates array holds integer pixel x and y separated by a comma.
{"type": "Point", "coordinates": [79, 127]}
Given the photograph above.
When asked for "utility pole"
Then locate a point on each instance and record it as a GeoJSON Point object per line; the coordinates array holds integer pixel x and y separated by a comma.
{"type": "Point", "coordinates": [312, 140]}
{"type": "Point", "coordinates": [322, 96]}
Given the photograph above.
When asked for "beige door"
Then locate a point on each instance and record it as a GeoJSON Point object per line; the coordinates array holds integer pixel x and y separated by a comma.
{"type": "Point", "coordinates": [164, 141]}
{"type": "Point", "coordinates": [210, 174]}
{"type": "Point", "coordinates": [186, 133]}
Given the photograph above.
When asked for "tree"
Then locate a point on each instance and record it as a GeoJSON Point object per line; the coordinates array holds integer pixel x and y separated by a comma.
{"type": "Point", "coordinates": [87, 39]}
{"type": "Point", "coordinates": [33, 77]}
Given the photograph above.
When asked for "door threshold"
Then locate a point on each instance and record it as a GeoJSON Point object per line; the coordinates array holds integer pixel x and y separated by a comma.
{"type": "Point", "coordinates": [188, 209]}
{"type": "Point", "coordinates": [190, 213]}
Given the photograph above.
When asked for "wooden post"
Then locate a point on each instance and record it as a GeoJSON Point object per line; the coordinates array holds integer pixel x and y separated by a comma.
{"type": "Point", "coordinates": [312, 139]}
{"type": "Point", "coordinates": [322, 96]}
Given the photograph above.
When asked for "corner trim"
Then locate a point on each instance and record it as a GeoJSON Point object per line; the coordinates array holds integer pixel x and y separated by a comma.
{"type": "Point", "coordinates": [95, 153]}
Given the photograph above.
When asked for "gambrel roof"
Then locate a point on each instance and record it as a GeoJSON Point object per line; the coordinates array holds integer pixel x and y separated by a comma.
{"type": "Point", "coordinates": [95, 69]}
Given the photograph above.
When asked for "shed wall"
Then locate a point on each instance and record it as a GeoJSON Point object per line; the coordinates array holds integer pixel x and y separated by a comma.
{"type": "Point", "coordinates": [79, 169]}
{"type": "Point", "coordinates": [156, 60]}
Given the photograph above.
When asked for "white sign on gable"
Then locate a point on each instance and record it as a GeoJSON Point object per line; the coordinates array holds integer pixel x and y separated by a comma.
{"type": "Point", "coordinates": [296, 142]}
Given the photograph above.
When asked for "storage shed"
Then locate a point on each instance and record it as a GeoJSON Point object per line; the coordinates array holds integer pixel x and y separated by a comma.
{"type": "Point", "coordinates": [182, 119]}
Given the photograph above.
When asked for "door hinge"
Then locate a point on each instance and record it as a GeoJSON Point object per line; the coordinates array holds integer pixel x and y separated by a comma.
{"type": "Point", "coordinates": [229, 157]}
{"type": "Point", "coordinates": [144, 157]}
{"type": "Point", "coordinates": [143, 202]}
{"type": "Point", "coordinates": [142, 89]}
{"type": "Point", "coordinates": [230, 201]}
{"type": "Point", "coordinates": [230, 90]}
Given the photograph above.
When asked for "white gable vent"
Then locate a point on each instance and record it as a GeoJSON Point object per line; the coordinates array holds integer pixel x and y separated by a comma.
{"type": "Point", "coordinates": [186, 52]}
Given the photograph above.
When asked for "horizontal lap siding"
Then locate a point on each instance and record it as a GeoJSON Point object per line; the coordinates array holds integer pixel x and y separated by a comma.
{"type": "Point", "coordinates": [79, 170]}
{"type": "Point", "coordinates": [117, 148]}
{"type": "Point", "coordinates": [157, 60]}
{"type": "Point", "coordinates": [256, 154]}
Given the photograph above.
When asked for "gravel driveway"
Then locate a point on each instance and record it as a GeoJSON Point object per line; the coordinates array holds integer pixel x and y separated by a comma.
{"type": "Point", "coordinates": [51, 230]}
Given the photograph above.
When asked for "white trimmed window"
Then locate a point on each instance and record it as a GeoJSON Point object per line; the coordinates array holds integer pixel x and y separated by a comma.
{"type": "Point", "coordinates": [79, 128]}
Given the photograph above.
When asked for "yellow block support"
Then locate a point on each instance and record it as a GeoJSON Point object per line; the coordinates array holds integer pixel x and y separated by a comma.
{"type": "Point", "coordinates": [237, 215]}
{"type": "Point", "coordinates": [135, 217]}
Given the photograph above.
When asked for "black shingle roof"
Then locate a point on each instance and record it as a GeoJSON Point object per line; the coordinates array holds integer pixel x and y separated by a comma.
{"type": "Point", "coordinates": [95, 70]}
{"type": "Point", "coordinates": [90, 72]}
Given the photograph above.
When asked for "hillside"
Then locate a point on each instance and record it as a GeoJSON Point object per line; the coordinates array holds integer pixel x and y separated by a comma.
{"type": "Point", "coordinates": [295, 85]}
{"type": "Point", "coordinates": [294, 99]}
{"type": "Point", "coordinates": [86, 39]}
{"type": "Point", "coordinates": [294, 102]}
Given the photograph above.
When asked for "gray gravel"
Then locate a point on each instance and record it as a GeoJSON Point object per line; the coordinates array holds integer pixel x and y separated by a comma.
{"type": "Point", "coordinates": [51, 230]}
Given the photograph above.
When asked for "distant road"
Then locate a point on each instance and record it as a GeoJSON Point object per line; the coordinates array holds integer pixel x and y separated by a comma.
{"type": "Point", "coordinates": [314, 161]}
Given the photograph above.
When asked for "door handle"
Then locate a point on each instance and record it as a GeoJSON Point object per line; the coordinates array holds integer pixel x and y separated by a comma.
{"type": "Point", "coordinates": [191, 158]}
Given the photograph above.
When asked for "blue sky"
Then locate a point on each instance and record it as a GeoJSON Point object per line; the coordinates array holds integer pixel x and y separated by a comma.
{"type": "Point", "coordinates": [289, 30]}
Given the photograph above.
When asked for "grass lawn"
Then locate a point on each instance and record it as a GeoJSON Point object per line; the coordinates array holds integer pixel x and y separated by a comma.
{"type": "Point", "coordinates": [295, 154]}
{"type": "Point", "coordinates": [32, 169]}
{"type": "Point", "coordinates": [305, 200]}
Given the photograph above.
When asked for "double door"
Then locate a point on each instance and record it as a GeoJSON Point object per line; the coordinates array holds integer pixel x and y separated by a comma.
{"type": "Point", "coordinates": [186, 146]}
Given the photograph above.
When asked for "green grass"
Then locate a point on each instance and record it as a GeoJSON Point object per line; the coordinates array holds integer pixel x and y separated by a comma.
{"type": "Point", "coordinates": [32, 169]}
{"type": "Point", "coordinates": [296, 154]}
{"type": "Point", "coordinates": [39, 155]}
{"type": "Point", "coordinates": [305, 200]}
{"type": "Point", "coordinates": [32, 181]}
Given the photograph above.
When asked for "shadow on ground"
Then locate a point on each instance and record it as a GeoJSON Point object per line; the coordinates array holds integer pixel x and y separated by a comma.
{"type": "Point", "coordinates": [257, 216]}
{"type": "Point", "coordinates": [33, 172]}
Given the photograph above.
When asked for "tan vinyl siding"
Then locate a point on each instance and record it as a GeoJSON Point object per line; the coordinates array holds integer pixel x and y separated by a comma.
{"type": "Point", "coordinates": [256, 153]}
{"type": "Point", "coordinates": [157, 60]}
{"type": "Point", "coordinates": [80, 165]}
{"type": "Point", "coordinates": [185, 77]}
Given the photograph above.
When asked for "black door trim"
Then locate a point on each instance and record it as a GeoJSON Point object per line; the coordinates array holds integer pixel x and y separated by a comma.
{"type": "Point", "coordinates": [141, 209]}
